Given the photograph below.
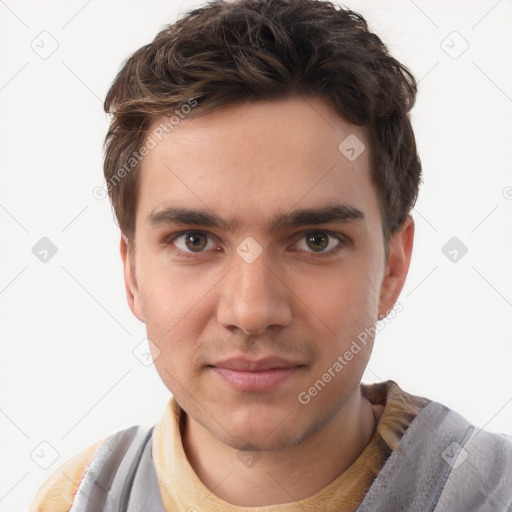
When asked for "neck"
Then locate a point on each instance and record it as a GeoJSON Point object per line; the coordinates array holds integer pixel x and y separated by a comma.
{"type": "Point", "coordinates": [286, 475]}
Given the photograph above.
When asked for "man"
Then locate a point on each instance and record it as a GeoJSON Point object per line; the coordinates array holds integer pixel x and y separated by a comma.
{"type": "Point", "coordinates": [262, 168]}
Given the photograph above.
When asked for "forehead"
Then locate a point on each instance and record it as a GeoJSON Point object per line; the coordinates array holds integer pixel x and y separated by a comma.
{"type": "Point", "coordinates": [306, 126]}
{"type": "Point", "coordinates": [257, 158]}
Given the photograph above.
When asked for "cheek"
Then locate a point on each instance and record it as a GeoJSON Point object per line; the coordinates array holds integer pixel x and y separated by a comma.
{"type": "Point", "coordinates": [346, 311]}
{"type": "Point", "coordinates": [347, 300]}
{"type": "Point", "coordinates": [169, 296]}
{"type": "Point", "coordinates": [174, 328]}
{"type": "Point", "coordinates": [178, 306]}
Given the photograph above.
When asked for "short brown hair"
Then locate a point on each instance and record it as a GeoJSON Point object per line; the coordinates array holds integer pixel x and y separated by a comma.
{"type": "Point", "coordinates": [226, 53]}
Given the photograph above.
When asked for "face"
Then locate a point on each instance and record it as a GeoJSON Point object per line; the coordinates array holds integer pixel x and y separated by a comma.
{"type": "Point", "coordinates": [258, 260]}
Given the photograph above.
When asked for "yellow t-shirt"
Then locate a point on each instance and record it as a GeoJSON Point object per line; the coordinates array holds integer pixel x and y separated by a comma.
{"type": "Point", "coordinates": [182, 490]}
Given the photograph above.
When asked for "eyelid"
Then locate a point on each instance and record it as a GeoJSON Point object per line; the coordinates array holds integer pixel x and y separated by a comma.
{"type": "Point", "coordinates": [341, 238]}
{"type": "Point", "coordinates": [169, 239]}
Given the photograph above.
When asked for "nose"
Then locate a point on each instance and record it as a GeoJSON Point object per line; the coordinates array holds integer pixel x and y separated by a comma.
{"type": "Point", "coordinates": [253, 298]}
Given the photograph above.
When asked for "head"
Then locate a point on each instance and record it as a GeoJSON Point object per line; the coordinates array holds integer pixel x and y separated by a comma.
{"type": "Point", "coordinates": [284, 124]}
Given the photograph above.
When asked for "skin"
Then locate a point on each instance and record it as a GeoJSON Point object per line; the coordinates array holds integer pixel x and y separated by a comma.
{"type": "Point", "coordinates": [254, 161]}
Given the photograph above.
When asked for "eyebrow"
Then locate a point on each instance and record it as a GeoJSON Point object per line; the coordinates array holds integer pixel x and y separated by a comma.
{"type": "Point", "coordinates": [337, 212]}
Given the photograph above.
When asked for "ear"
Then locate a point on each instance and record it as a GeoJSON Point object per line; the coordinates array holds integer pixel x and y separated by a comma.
{"type": "Point", "coordinates": [397, 266]}
{"type": "Point", "coordinates": [130, 280]}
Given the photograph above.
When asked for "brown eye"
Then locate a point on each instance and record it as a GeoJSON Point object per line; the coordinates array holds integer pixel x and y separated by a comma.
{"type": "Point", "coordinates": [189, 242]}
{"type": "Point", "coordinates": [322, 244]}
{"type": "Point", "coordinates": [317, 241]}
{"type": "Point", "coordinates": [195, 242]}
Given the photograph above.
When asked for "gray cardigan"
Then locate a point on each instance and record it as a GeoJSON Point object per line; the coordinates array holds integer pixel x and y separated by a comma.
{"type": "Point", "coordinates": [444, 464]}
{"type": "Point", "coordinates": [441, 464]}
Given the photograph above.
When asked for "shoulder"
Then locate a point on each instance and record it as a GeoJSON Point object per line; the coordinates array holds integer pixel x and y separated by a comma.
{"type": "Point", "coordinates": [485, 447]}
{"type": "Point", "coordinates": [481, 472]}
{"type": "Point", "coordinates": [478, 466]}
{"type": "Point", "coordinates": [112, 459]}
{"type": "Point", "coordinates": [443, 462]}
{"type": "Point", "coordinates": [57, 492]}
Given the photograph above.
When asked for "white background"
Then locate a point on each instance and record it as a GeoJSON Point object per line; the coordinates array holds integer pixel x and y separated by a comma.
{"type": "Point", "coordinates": [68, 373]}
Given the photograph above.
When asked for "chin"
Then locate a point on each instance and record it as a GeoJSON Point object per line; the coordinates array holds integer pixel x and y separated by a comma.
{"type": "Point", "coordinates": [260, 433]}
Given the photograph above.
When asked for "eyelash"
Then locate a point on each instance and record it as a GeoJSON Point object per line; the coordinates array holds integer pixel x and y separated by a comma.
{"type": "Point", "coordinates": [168, 241]}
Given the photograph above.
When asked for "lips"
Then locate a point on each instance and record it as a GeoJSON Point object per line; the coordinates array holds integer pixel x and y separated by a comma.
{"type": "Point", "coordinates": [243, 364]}
{"type": "Point", "coordinates": [255, 375]}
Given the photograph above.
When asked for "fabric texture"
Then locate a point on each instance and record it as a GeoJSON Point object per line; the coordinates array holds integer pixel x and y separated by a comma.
{"type": "Point", "coordinates": [57, 492]}
{"type": "Point", "coordinates": [444, 464]}
{"type": "Point", "coordinates": [122, 476]}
